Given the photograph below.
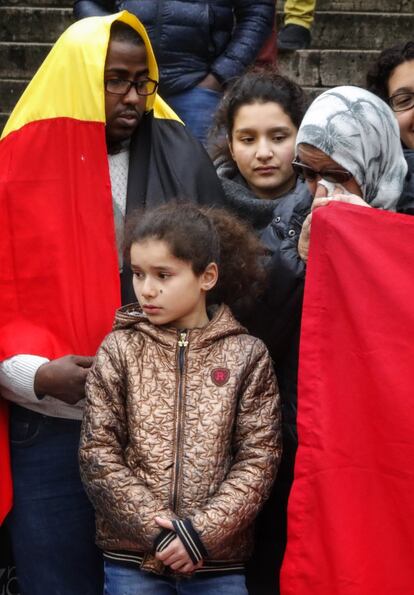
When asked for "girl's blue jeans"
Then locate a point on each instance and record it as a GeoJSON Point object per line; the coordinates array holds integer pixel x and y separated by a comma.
{"type": "Point", "coordinates": [124, 580]}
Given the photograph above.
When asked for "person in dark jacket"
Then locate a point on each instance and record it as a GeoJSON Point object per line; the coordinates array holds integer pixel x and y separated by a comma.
{"type": "Point", "coordinates": [178, 453]}
{"type": "Point", "coordinates": [260, 115]}
{"type": "Point", "coordinates": [391, 77]}
{"type": "Point", "coordinates": [95, 141]}
{"type": "Point", "coordinates": [199, 45]}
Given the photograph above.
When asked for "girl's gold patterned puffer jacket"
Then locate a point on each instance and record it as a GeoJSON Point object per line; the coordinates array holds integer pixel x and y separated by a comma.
{"type": "Point", "coordinates": [180, 425]}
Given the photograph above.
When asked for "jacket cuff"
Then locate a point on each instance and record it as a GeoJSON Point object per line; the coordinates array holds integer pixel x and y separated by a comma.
{"type": "Point", "coordinates": [219, 76]}
{"type": "Point", "coordinates": [164, 539]}
{"type": "Point", "coordinates": [190, 540]}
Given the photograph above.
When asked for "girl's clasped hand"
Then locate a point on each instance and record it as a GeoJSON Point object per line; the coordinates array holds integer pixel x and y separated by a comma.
{"type": "Point", "coordinates": [175, 555]}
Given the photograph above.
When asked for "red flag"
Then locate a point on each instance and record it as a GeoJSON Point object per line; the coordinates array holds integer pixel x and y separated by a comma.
{"type": "Point", "coordinates": [6, 492]}
{"type": "Point", "coordinates": [351, 510]}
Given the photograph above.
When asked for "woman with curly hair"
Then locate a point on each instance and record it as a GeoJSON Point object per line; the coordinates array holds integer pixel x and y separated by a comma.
{"type": "Point", "coordinates": [391, 77]}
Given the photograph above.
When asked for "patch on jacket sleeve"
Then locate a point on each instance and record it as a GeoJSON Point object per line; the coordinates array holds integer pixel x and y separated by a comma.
{"type": "Point", "coordinates": [220, 376]}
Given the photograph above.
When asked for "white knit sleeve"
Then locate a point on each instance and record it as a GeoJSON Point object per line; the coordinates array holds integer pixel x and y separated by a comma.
{"type": "Point", "coordinates": [17, 376]}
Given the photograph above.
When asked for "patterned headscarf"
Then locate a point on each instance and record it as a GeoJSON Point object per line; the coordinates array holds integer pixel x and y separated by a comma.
{"type": "Point", "coordinates": [360, 132]}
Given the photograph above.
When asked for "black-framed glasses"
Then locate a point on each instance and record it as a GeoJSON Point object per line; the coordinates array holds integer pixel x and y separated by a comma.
{"type": "Point", "coordinates": [143, 87]}
{"type": "Point", "coordinates": [400, 102]}
{"type": "Point", "coordinates": [335, 176]}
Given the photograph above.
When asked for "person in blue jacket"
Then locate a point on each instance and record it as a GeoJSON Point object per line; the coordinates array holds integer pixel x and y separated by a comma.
{"type": "Point", "coordinates": [199, 44]}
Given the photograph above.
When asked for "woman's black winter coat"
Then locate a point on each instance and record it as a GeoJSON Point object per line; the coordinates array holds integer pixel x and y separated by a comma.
{"type": "Point", "coordinates": [192, 38]}
{"type": "Point", "coordinates": [275, 318]}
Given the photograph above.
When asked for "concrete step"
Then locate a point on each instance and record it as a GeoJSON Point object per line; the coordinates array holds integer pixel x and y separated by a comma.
{"type": "Point", "coordinates": [3, 120]}
{"type": "Point", "coordinates": [404, 6]}
{"type": "Point", "coordinates": [38, 3]}
{"type": "Point", "coordinates": [376, 6]}
{"type": "Point", "coordinates": [324, 68]}
{"type": "Point", "coordinates": [10, 91]}
{"type": "Point", "coordinates": [21, 60]}
{"type": "Point", "coordinates": [313, 92]}
{"type": "Point", "coordinates": [367, 31]}
{"type": "Point", "coordinates": [331, 29]}
{"type": "Point", "coordinates": [33, 24]}
{"type": "Point", "coordinates": [327, 68]}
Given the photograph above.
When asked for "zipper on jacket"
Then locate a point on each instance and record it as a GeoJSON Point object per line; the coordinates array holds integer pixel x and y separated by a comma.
{"type": "Point", "coordinates": [182, 344]}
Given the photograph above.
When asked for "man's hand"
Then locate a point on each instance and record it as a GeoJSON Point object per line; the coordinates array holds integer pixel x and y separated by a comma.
{"type": "Point", "coordinates": [63, 378]}
{"type": "Point", "coordinates": [210, 82]}
{"type": "Point", "coordinates": [175, 555]}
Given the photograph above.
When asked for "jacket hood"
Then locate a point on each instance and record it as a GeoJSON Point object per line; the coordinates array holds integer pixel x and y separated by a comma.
{"type": "Point", "coordinates": [72, 76]}
{"type": "Point", "coordinates": [222, 324]}
{"type": "Point", "coordinates": [258, 211]}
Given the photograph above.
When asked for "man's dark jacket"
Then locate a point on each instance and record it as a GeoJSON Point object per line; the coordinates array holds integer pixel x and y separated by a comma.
{"type": "Point", "coordinates": [192, 38]}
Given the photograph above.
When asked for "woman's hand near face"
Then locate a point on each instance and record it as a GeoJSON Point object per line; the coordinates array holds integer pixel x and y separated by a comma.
{"type": "Point", "coordinates": [321, 200]}
{"type": "Point", "coordinates": [351, 199]}
{"type": "Point", "coordinates": [304, 238]}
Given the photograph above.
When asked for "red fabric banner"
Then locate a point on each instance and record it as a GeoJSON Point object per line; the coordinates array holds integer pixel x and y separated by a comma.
{"type": "Point", "coordinates": [6, 492]}
{"type": "Point", "coordinates": [351, 509]}
{"type": "Point", "coordinates": [59, 277]}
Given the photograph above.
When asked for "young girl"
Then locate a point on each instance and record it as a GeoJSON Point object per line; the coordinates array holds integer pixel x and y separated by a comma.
{"type": "Point", "coordinates": [180, 441]}
{"type": "Point", "coordinates": [260, 115]}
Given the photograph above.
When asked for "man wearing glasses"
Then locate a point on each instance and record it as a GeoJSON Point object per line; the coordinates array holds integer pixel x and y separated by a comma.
{"type": "Point", "coordinates": [89, 141]}
{"type": "Point", "coordinates": [200, 46]}
{"type": "Point", "coordinates": [391, 77]}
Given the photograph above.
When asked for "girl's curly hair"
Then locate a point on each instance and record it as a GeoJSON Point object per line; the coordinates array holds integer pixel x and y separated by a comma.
{"type": "Point", "coordinates": [204, 235]}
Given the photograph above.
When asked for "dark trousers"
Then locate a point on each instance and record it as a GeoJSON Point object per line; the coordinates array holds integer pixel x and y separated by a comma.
{"type": "Point", "coordinates": [51, 525]}
{"type": "Point", "coordinates": [196, 107]}
{"type": "Point", "coordinates": [263, 570]}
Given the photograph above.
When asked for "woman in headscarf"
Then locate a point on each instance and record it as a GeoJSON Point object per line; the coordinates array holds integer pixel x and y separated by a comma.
{"type": "Point", "coordinates": [348, 507]}
{"type": "Point", "coordinates": [348, 149]}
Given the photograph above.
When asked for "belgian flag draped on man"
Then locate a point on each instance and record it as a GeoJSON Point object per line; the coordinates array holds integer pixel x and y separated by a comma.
{"type": "Point", "coordinates": [59, 277]}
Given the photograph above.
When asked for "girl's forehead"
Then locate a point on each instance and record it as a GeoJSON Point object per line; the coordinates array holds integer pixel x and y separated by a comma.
{"type": "Point", "coordinates": [269, 114]}
{"type": "Point", "coordinates": [148, 246]}
{"type": "Point", "coordinates": [154, 253]}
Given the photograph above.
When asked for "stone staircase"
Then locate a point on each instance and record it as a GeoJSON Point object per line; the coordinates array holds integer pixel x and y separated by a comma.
{"type": "Point", "coordinates": [346, 36]}
{"type": "Point", "coordinates": [26, 35]}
